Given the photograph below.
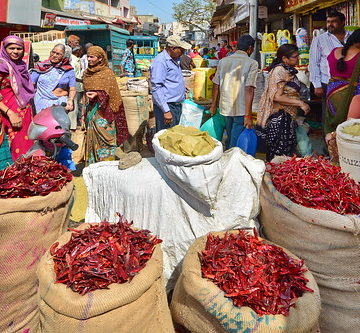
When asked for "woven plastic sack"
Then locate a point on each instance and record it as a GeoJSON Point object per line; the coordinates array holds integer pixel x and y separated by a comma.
{"type": "Point", "coordinates": [349, 150]}
{"type": "Point", "coordinates": [138, 85]}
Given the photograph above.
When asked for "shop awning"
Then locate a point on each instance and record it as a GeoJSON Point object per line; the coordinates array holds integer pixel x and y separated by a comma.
{"type": "Point", "coordinates": [221, 11]}
{"type": "Point", "coordinates": [305, 6]}
{"type": "Point", "coordinates": [65, 14]}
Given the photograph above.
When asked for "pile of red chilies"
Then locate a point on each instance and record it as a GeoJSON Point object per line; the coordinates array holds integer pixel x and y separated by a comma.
{"type": "Point", "coordinates": [317, 184]}
{"type": "Point", "coordinates": [102, 254]}
{"type": "Point", "coordinates": [32, 176]}
{"type": "Point", "coordinates": [253, 273]}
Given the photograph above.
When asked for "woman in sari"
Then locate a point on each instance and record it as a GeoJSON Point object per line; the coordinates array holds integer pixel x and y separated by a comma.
{"type": "Point", "coordinates": [343, 63]}
{"type": "Point", "coordinates": [279, 104]}
{"type": "Point", "coordinates": [54, 80]}
{"type": "Point", "coordinates": [55, 84]}
{"type": "Point", "coordinates": [343, 93]}
{"type": "Point", "coordinates": [16, 91]}
{"type": "Point", "coordinates": [106, 122]}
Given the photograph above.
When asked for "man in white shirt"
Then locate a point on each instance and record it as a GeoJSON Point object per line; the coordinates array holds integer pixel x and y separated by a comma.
{"type": "Point", "coordinates": [83, 60]}
{"type": "Point", "coordinates": [321, 47]}
{"type": "Point", "coordinates": [235, 82]}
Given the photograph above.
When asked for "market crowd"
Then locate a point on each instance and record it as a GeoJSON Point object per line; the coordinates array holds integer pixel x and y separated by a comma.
{"type": "Point", "coordinates": [334, 72]}
{"type": "Point", "coordinates": [81, 79]}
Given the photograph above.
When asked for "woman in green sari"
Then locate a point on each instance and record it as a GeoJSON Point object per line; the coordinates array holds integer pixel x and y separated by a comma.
{"type": "Point", "coordinates": [344, 86]}
{"type": "Point", "coordinates": [343, 93]}
{"type": "Point", "coordinates": [106, 122]}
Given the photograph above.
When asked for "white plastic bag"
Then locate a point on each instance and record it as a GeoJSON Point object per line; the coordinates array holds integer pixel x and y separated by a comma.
{"type": "Point", "coordinates": [191, 114]}
{"type": "Point", "coordinates": [198, 176]}
{"type": "Point", "coordinates": [138, 85]}
{"type": "Point", "coordinates": [349, 148]}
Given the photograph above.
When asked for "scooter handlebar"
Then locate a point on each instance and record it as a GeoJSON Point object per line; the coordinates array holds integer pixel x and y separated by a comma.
{"type": "Point", "coordinates": [65, 139]}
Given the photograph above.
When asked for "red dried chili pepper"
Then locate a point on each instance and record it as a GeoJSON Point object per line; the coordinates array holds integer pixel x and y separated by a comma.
{"type": "Point", "coordinates": [32, 176]}
{"type": "Point", "coordinates": [253, 273]}
{"type": "Point", "coordinates": [315, 183]}
{"type": "Point", "coordinates": [102, 254]}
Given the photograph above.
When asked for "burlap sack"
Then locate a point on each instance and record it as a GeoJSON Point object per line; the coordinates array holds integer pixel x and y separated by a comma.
{"type": "Point", "coordinates": [330, 245]}
{"type": "Point", "coordinates": [122, 83]}
{"type": "Point", "coordinates": [200, 306]}
{"type": "Point", "coordinates": [138, 306]}
{"type": "Point", "coordinates": [189, 80]}
{"type": "Point", "coordinates": [138, 85]}
{"type": "Point", "coordinates": [27, 228]}
{"type": "Point", "coordinates": [137, 108]}
{"type": "Point", "coordinates": [79, 137]}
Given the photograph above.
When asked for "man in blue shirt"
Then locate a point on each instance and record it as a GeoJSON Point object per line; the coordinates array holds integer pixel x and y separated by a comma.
{"type": "Point", "coordinates": [167, 83]}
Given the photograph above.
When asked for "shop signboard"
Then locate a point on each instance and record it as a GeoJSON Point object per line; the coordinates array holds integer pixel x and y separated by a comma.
{"type": "Point", "coordinates": [69, 21]}
{"type": "Point", "coordinates": [86, 6]}
{"type": "Point", "coordinates": [291, 4]}
{"type": "Point", "coordinates": [262, 12]}
{"type": "Point", "coordinates": [49, 21]}
{"type": "Point", "coordinates": [72, 4]}
{"type": "Point", "coordinates": [242, 11]}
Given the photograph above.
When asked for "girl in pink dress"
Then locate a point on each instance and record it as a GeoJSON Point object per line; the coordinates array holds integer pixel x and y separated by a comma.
{"type": "Point", "coordinates": [16, 91]}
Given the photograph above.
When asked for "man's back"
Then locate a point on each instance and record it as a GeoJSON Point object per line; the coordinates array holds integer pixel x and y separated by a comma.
{"type": "Point", "coordinates": [234, 73]}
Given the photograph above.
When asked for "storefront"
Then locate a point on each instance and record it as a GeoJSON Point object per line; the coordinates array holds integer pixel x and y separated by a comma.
{"type": "Point", "coordinates": [223, 23]}
{"type": "Point", "coordinates": [311, 14]}
{"type": "Point", "coordinates": [242, 15]}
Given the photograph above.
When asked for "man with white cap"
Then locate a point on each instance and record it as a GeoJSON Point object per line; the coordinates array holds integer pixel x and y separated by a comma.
{"type": "Point", "coordinates": [167, 83]}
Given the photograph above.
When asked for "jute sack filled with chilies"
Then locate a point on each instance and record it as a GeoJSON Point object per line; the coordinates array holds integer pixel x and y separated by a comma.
{"type": "Point", "coordinates": [200, 306]}
{"type": "Point", "coordinates": [28, 226]}
{"type": "Point", "coordinates": [330, 245]}
{"type": "Point", "coordinates": [137, 306]}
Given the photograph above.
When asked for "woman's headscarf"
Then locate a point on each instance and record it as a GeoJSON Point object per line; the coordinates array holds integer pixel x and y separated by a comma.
{"type": "Point", "coordinates": [19, 76]}
{"type": "Point", "coordinates": [45, 66]}
{"type": "Point", "coordinates": [101, 77]}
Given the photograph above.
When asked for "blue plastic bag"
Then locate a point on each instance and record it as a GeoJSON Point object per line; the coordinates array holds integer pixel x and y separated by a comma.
{"type": "Point", "coordinates": [247, 141]}
{"type": "Point", "coordinates": [304, 145]}
{"type": "Point", "coordinates": [215, 126]}
{"type": "Point", "coordinates": [65, 158]}
{"type": "Point", "coordinates": [191, 114]}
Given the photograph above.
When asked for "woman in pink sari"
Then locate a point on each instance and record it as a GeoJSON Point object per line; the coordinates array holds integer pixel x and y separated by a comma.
{"type": "Point", "coordinates": [16, 91]}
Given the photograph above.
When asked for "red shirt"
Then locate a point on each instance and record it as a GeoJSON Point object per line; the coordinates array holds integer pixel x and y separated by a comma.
{"type": "Point", "coordinates": [222, 53]}
{"type": "Point", "coordinates": [350, 66]}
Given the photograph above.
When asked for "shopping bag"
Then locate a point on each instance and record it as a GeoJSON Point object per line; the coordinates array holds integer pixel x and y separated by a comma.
{"type": "Point", "coordinates": [304, 145]}
{"type": "Point", "coordinates": [215, 126]}
{"type": "Point", "coordinates": [79, 137]}
{"type": "Point", "coordinates": [191, 114]}
{"type": "Point", "coordinates": [261, 139]}
{"type": "Point", "coordinates": [247, 141]}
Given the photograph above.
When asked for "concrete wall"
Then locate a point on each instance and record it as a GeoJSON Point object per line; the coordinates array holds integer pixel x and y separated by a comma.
{"type": "Point", "coordinates": [24, 12]}
{"type": "Point", "coordinates": [102, 9]}
{"type": "Point", "coordinates": [54, 4]}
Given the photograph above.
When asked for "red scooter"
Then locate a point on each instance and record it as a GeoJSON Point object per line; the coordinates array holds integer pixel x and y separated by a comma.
{"type": "Point", "coordinates": [50, 129]}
